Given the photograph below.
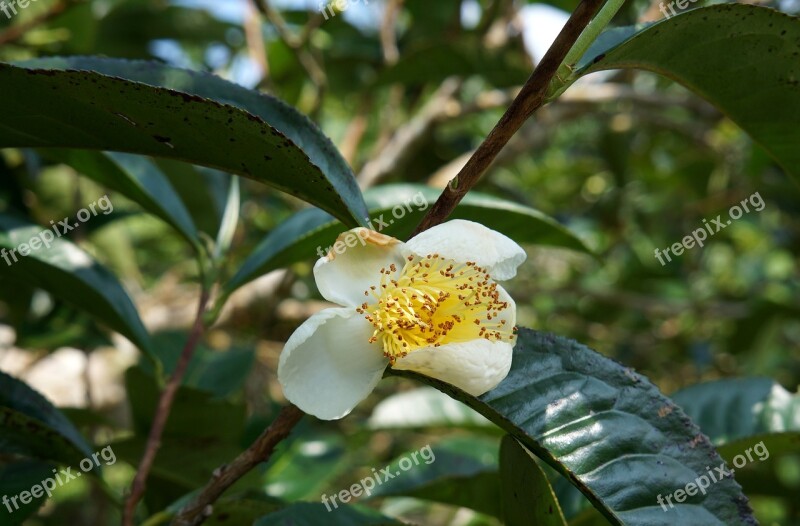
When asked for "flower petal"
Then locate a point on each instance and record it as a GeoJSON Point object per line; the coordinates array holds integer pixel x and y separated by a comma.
{"type": "Point", "coordinates": [354, 263]}
{"type": "Point", "coordinates": [475, 367]}
{"type": "Point", "coordinates": [462, 240]}
{"type": "Point", "coordinates": [327, 367]}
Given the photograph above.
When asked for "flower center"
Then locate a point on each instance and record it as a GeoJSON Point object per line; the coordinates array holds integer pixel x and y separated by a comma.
{"type": "Point", "coordinates": [434, 301]}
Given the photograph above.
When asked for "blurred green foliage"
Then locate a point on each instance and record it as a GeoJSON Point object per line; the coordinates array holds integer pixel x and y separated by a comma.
{"type": "Point", "coordinates": [629, 163]}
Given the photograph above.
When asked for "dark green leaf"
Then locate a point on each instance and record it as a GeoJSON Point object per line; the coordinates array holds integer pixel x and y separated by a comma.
{"type": "Point", "coordinates": [23, 435]}
{"type": "Point", "coordinates": [152, 109]}
{"type": "Point", "coordinates": [603, 426]}
{"type": "Point", "coordinates": [526, 492]}
{"type": "Point", "coordinates": [241, 511]}
{"type": "Point", "coordinates": [741, 58]}
{"type": "Point", "coordinates": [185, 462]}
{"type": "Point", "coordinates": [19, 397]}
{"type": "Point", "coordinates": [195, 415]}
{"type": "Point", "coordinates": [15, 478]}
{"type": "Point", "coordinates": [737, 413]}
{"type": "Point", "coordinates": [460, 471]}
{"type": "Point", "coordinates": [68, 273]}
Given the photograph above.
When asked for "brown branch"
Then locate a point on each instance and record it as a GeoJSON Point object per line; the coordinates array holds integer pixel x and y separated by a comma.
{"type": "Point", "coordinates": [15, 32]}
{"type": "Point", "coordinates": [200, 508]}
{"type": "Point", "coordinates": [531, 98]}
{"type": "Point", "coordinates": [162, 414]}
{"type": "Point", "coordinates": [388, 36]}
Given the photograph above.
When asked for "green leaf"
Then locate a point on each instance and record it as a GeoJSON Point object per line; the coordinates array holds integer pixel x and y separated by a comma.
{"type": "Point", "coordinates": [425, 407]}
{"type": "Point", "coordinates": [17, 477]}
{"type": "Point", "coordinates": [527, 495]}
{"type": "Point", "coordinates": [68, 273]}
{"type": "Point", "coordinates": [459, 471]}
{"type": "Point", "coordinates": [23, 435]}
{"type": "Point", "coordinates": [230, 218]}
{"type": "Point", "coordinates": [201, 434]}
{"type": "Point", "coordinates": [602, 425]}
{"type": "Point", "coordinates": [244, 511]}
{"type": "Point", "coordinates": [314, 514]}
{"type": "Point", "coordinates": [152, 109]}
{"type": "Point", "coordinates": [741, 58]}
{"type": "Point", "coordinates": [203, 191]}
{"type": "Point", "coordinates": [395, 210]}
{"type": "Point", "coordinates": [220, 372]}
{"type": "Point", "coordinates": [128, 30]}
{"type": "Point", "coordinates": [138, 179]}
{"type": "Point", "coordinates": [196, 415]}
{"type": "Point", "coordinates": [305, 467]}
{"type": "Point", "coordinates": [20, 397]}
{"type": "Point", "coordinates": [736, 413]}
{"type": "Point", "coordinates": [184, 462]}
{"type": "Point", "coordinates": [32, 426]}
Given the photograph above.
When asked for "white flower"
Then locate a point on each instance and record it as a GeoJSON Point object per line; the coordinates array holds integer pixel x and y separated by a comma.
{"type": "Point", "coordinates": [431, 305]}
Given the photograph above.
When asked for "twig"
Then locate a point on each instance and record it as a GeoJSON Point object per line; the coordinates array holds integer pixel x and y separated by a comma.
{"type": "Point", "coordinates": [162, 414]}
{"type": "Point", "coordinates": [200, 508]}
{"type": "Point", "coordinates": [403, 144]}
{"type": "Point", "coordinates": [298, 46]}
{"type": "Point", "coordinates": [15, 32]}
{"type": "Point", "coordinates": [527, 102]}
{"type": "Point", "coordinates": [388, 37]}
{"type": "Point", "coordinates": [355, 132]}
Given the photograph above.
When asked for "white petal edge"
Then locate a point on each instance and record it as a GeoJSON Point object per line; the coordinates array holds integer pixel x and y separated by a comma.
{"type": "Point", "coordinates": [509, 314]}
{"type": "Point", "coordinates": [353, 265]}
{"type": "Point", "coordinates": [463, 240]}
{"type": "Point", "coordinates": [475, 367]}
{"type": "Point", "coordinates": [327, 366]}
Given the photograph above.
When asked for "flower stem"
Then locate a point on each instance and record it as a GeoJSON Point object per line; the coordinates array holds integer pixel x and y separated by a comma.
{"type": "Point", "coordinates": [566, 71]}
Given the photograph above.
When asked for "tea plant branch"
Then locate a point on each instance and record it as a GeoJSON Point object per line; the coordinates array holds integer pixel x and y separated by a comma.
{"type": "Point", "coordinates": [162, 413]}
{"type": "Point", "coordinates": [531, 98]}
{"type": "Point", "coordinates": [200, 508]}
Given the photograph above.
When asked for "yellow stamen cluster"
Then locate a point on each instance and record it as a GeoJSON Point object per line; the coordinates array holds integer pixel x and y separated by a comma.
{"type": "Point", "coordinates": [433, 301]}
